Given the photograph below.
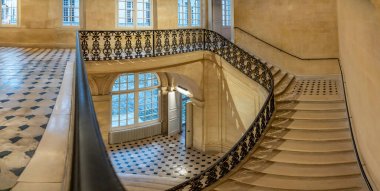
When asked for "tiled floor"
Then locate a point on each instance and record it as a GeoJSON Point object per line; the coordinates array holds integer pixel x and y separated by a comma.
{"type": "Point", "coordinates": [30, 79]}
{"type": "Point", "coordinates": [159, 156]}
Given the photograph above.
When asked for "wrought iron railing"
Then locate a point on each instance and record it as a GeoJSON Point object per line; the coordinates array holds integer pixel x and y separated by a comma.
{"type": "Point", "coordinates": [117, 45]}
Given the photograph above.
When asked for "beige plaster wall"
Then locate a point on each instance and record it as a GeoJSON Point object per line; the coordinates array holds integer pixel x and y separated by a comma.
{"type": "Point", "coordinates": [306, 28]}
{"type": "Point", "coordinates": [40, 22]}
{"type": "Point", "coordinates": [167, 11]}
{"type": "Point", "coordinates": [359, 43]}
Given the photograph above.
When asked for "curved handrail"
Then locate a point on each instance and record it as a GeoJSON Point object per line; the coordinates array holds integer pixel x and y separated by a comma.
{"type": "Point", "coordinates": [116, 45]}
{"type": "Point", "coordinates": [92, 169]}
{"type": "Point", "coordinates": [359, 161]}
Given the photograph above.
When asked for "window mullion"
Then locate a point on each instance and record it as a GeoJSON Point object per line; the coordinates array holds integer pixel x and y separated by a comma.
{"type": "Point", "coordinates": [136, 112]}
{"type": "Point", "coordinates": [119, 110]}
{"type": "Point", "coordinates": [134, 10]}
{"type": "Point", "coordinates": [189, 19]}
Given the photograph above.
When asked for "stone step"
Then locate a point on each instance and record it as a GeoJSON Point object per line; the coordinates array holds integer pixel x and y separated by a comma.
{"type": "Point", "coordinates": [310, 105]}
{"type": "Point", "coordinates": [311, 124]}
{"type": "Point", "coordinates": [307, 135]}
{"type": "Point", "coordinates": [297, 183]}
{"type": "Point", "coordinates": [304, 157]}
{"type": "Point", "coordinates": [284, 85]}
{"type": "Point", "coordinates": [307, 146]}
{"type": "Point", "coordinates": [147, 183]}
{"type": "Point", "coordinates": [309, 98]}
{"type": "Point", "coordinates": [312, 115]}
{"type": "Point", "coordinates": [232, 185]}
{"type": "Point", "coordinates": [279, 77]}
{"type": "Point", "coordinates": [274, 70]}
{"type": "Point", "coordinates": [302, 170]}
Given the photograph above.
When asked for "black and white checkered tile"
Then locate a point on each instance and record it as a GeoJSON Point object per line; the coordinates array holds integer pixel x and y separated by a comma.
{"type": "Point", "coordinates": [30, 79]}
{"type": "Point", "coordinates": [159, 156]}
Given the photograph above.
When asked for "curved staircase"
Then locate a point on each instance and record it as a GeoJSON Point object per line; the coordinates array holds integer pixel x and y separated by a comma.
{"type": "Point", "coordinates": [308, 146]}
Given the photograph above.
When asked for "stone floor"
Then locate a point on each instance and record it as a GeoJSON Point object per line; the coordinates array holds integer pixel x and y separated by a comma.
{"type": "Point", "coordinates": [30, 80]}
{"type": "Point", "coordinates": [160, 156]}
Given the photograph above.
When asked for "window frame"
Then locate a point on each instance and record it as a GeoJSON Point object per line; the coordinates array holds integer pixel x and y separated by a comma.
{"type": "Point", "coordinates": [80, 16]}
{"type": "Point", "coordinates": [136, 92]}
{"type": "Point", "coordinates": [134, 16]}
{"type": "Point", "coordinates": [190, 15]}
{"type": "Point", "coordinates": [18, 15]}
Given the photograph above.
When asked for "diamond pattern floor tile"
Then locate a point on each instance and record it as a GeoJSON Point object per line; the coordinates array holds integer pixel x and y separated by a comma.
{"type": "Point", "coordinates": [30, 79]}
{"type": "Point", "coordinates": [160, 156]}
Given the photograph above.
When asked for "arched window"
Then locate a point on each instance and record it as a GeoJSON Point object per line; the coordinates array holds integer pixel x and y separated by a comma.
{"type": "Point", "coordinates": [135, 100]}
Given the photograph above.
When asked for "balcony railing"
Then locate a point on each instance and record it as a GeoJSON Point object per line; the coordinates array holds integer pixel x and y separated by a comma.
{"type": "Point", "coordinates": [92, 168]}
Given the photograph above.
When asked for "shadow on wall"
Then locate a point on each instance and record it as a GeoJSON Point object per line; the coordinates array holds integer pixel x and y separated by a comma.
{"type": "Point", "coordinates": [230, 117]}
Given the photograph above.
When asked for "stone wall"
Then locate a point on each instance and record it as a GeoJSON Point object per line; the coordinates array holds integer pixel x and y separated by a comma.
{"type": "Point", "coordinates": [305, 28]}
{"type": "Point", "coordinates": [359, 45]}
{"type": "Point", "coordinates": [40, 22]}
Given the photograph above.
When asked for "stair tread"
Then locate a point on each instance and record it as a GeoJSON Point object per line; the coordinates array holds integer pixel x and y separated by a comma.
{"type": "Point", "coordinates": [310, 124]}
{"type": "Point", "coordinates": [148, 182]}
{"type": "Point", "coordinates": [279, 77]}
{"type": "Point", "coordinates": [274, 70]}
{"type": "Point", "coordinates": [287, 182]}
{"type": "Point", "coordinates": [304, 157]}
{"type": "Point", "coordinates": [283, 85]}
{"type": "Point", "coordinates": [232, 185]}
{"type": "Point", "coordinates": [341, 114]}
{"type": "Point", "coordinates": [307, 146]}
{"type": "Point", "coordinates": [137, 188]}
{"type": "Point", "coordinates": [296, 134]}
{"type": "Point", "coordinates": [303, 105]}
{"type": "Point", "coordinates": [308, 98]}
{"type": "Point", "coordinates": [302, 170]}
{"type": "Point", "coordinates": [146, 185]}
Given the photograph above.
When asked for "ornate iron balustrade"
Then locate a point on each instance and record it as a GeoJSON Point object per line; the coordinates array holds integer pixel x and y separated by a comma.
{"type": "Point", "coordinates": [117, 45]}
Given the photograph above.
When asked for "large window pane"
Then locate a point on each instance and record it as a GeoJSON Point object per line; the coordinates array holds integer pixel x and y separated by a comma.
{"type": "Point", "coordinates": [195, 13]}
{"type": "Point", "coordinates": [148, 109]}
{"type": "Point", "coordinates": [226, 12]}
{"type": "Point", "coordinates": [182, 13]}
{"type": "Point", "coordinates": [71, 12]}
{"type": "Point", "coordinates": [189, 13]}
{"type": "Point", "coordinates": [131, 11]}
{"type": "Point", "coordinates": [123, 109]}
{"type": "Point", "coordinates": [147, 80]}
{"type": "Point", "coordinates": [126, 95]}
{"type": "Point", "coordinates": [9, 12]}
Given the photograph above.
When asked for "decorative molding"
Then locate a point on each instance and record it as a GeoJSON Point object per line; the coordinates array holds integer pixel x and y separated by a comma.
{"type": "Point", "coordinates": [101, 84]}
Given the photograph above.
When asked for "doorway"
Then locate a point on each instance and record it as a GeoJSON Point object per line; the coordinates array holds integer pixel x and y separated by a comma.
{"type": "Point", "coordinates": [184, 100]}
